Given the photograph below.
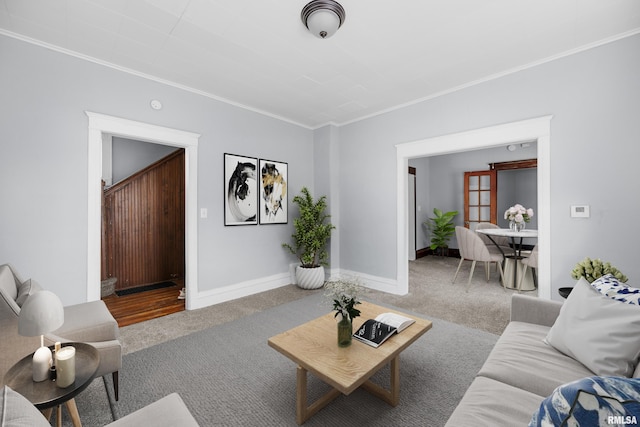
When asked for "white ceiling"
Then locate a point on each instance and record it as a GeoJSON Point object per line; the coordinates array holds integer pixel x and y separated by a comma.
{"type": "Point", "coordinates": [258, 54]}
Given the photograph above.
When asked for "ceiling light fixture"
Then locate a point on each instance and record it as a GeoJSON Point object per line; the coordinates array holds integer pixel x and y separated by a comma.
{"type": "Point", "coordinates": [323, 17]}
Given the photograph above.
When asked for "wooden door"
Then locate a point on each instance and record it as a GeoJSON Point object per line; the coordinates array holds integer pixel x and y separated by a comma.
{"type": "Point", "coordinates": [480, 198]}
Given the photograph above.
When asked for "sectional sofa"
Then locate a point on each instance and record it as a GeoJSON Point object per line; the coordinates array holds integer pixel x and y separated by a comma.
{"type": "Point", "coordinates": [546, 345]}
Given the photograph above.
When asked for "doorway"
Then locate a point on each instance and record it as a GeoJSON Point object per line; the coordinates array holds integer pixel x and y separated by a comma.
{"type": "Point", "coordinates": [538, 129]}
{"type": "Point", "coordinates": [101, 127]}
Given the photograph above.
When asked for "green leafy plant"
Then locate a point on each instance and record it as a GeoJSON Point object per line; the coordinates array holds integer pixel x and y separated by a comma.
{"type": "Point", "coordinates": [311, 232]}
{"type": "Point", "coordinates": [344, 295]}
{"type": "Point", "coordinates": [591, 269]}
{"type": "Point", "coordinates": [441, 227]}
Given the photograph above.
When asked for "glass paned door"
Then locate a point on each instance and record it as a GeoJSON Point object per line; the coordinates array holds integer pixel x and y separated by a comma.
{"type": "Point", "coordinates": [480, 198]}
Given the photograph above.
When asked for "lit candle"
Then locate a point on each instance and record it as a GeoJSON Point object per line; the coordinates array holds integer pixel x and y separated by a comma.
{"type": "Point", "coordinates": [65, 366]}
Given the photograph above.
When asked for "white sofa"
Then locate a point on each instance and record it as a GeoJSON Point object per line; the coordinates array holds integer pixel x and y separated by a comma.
{"type": "Point", "coordinates": [523, 369]}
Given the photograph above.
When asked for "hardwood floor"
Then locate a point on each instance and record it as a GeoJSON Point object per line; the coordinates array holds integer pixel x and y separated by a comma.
{"type": "Point", "coordinates": [135, 308]}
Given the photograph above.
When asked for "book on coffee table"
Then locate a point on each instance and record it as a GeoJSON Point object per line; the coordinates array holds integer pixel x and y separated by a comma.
{"type": "Point", "coordinates": [376, 331]}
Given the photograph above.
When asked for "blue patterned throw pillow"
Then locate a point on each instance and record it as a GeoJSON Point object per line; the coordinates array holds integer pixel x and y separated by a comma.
{"type": "Point", "coordinates": [592, 401]}
{"type": "Point", "coordinates": [611, 287]}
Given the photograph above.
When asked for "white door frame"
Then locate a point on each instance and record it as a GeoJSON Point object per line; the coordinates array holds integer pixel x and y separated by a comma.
{"type": "Point", "coordinates": [538, 129]}
{"type": "Point", "coordinates": [101, 127]}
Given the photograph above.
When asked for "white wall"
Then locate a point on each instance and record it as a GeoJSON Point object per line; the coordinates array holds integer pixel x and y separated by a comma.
{"type": "Point", "coordinates": [43, 178]}
{"type": "Point", "coordinates": [592, 96]}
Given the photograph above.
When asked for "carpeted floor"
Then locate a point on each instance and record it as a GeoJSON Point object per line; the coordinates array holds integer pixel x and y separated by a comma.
{"type": "Point", "coordinates": [485, 308]}
{"type": "Point", "coordinates": [228, 376]}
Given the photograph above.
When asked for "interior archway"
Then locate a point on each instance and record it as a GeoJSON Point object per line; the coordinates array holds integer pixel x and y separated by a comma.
{"type": "Point", "coordinates": [538, 129]}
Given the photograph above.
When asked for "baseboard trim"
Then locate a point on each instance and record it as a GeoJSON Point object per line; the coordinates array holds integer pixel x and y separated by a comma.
{"type": "Point", "coordinates": [239, 290]}
{"type": "Point", "coordinates": [373, 282]}
{"type": "Point", "coordinates": [251, 287]}
{"type": "Point", "coordinates": [450, 252]}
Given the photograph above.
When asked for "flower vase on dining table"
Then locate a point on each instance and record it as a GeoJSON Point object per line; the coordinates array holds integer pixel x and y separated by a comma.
{"type": "Point", "coordinates": [516, 226]}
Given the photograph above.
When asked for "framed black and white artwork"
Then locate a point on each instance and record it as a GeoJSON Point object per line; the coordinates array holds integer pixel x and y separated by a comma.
{"type": "Point", "coordinates": [240, 190]}
{"type": "Point", "coordinates": [274, 208]}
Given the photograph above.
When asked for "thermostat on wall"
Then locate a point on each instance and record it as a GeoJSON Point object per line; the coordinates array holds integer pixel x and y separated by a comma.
{"type": "Point", "coordinates": [579, 211]}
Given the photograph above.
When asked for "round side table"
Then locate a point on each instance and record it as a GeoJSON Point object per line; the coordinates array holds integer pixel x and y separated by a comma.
{"type": "Point", "coordinates": [46, 394]}
{"type": "Point", "coordinates": [564, 292]}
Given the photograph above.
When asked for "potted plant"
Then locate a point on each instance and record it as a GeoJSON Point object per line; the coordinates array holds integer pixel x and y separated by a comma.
{"type": "Point", "coordinates": [442, 228]}
{"type": "Point", "coordinates": [591, 269]}
{"type": "Point", "coordinates": [311, 234]}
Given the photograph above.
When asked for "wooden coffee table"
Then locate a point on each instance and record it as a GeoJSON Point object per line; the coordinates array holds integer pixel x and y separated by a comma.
{"type": "Point", "coordinates": [314, 347]}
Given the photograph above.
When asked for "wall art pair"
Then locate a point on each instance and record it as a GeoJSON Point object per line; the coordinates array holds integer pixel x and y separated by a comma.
{"type": "Point", "coordinates": [254, 190]}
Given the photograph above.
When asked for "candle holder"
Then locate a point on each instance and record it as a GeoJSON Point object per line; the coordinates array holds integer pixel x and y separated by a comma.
{"type": "Point", "coordinates": [65, 366]}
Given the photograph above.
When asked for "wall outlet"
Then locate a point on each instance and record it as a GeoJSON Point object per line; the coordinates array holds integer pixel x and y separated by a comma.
{"type": "Point", "coordinates": [203, 213]}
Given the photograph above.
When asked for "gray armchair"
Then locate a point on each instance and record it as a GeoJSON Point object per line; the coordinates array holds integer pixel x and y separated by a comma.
{"type": "Point", "coordinates": [89, 322]}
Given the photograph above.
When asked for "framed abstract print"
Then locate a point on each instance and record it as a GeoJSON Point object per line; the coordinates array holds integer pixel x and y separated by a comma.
{"type": "Point", "coordinates": [274, 207]}
{"type": "Point", "coordinates": [240, 190]}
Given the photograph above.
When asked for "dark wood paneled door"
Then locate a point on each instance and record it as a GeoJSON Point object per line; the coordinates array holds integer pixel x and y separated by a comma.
{"type": "Point", "coordinates": [144, 225]}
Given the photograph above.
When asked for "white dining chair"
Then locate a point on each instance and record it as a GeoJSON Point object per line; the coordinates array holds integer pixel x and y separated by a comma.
{"type": "Point", "coordinates": [473, 249]}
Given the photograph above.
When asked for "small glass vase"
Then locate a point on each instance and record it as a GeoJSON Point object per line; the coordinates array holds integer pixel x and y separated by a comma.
{"type": "Point", "coordinates": [345, 332]}
{"type": "Point", "coordinates": [516, 226]}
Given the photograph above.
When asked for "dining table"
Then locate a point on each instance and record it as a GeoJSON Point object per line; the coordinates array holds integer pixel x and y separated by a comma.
{"type": "Point", "coordinates": [516, 238]}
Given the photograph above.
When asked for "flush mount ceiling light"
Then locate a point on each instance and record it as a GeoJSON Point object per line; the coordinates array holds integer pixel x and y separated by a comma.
{"type": "Point", "coordinates": [323, 17]}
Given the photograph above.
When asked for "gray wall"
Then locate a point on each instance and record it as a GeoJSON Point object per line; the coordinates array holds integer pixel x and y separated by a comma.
{"type": "Point", "coordinates": [518, 186]}
{"type": "Point", "coordinates": [440, 184]}
{"type": "Point", "coordinates": [593, 97]}
{"type": "Point", "coordinates": [128, 156]}
{"type": "Point", "coordinates": [43, 178]}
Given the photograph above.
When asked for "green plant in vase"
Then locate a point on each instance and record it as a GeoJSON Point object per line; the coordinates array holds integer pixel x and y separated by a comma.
{"type": "Point", "coordinates": [344, 295]}
{"type": "Point", "coordinates": [591, 269]}
{"type": "Point", "coordinates": [441, 227]}
{"type": "Point", "coordinates": [312, 231]}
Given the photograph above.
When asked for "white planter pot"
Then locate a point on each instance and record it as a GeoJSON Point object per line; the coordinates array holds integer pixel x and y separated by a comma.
{"type": "Point", "coordinates": [310, 278]}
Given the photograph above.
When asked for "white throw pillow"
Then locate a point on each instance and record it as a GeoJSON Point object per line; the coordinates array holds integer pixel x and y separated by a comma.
{"type": "Point", "coordinates": [601, 333]}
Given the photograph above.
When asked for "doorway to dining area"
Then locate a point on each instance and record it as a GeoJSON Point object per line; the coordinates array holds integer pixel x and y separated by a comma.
{"type": "Point", "coordinates": [525, 132]}
{"type": "Point", "coordinates": [442, 183]}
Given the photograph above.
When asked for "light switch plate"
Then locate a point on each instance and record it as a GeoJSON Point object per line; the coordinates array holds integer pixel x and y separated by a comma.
{"type": "Point", "coordinates": [580, 211]}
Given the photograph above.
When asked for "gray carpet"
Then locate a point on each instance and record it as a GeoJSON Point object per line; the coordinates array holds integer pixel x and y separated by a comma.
{"type": "Point", "coordinates": [228, 376]}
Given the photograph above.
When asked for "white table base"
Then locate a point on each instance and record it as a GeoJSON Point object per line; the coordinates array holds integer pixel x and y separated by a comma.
{"type": "Point", "coordinates": [527, 284]}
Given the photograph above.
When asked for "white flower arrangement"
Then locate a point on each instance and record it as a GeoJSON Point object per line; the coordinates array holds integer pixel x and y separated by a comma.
{"type": "Point", "coordinates": [518, 213]}
{"type": "Point", "coordinates": [344, 295]}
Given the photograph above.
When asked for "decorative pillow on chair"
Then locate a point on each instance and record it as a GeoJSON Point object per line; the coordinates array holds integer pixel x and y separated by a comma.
{"type": "Point", "coordinates": [592, 401]}
{"type": "Point", "coordinates": [27, 288]}
{"type": "Point", "coordinates": [601, 333]}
